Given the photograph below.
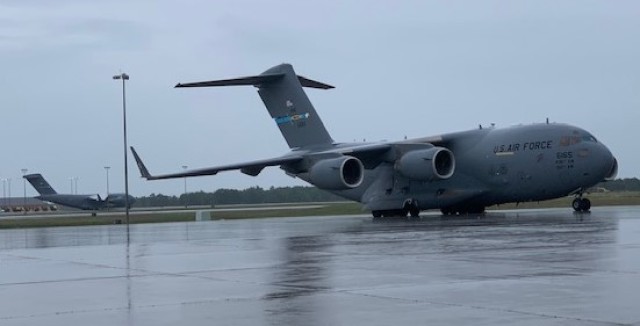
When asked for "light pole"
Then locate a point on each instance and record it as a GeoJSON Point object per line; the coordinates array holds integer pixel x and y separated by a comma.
{"type": "Point", "coordinates": [106, 168]}
{"type": "Point", "coordinates": [71, 184]}
{"type": "Point", "coordinates": [4, 192]}
{"type": "Point", "coordinates": [24, 189]}
{"type": "Point", "coordinates": [75, 181]}
{"type": "Point", "coordinates": [124, 77]}
{"type": "Point", "coordinates": [184, 167]}
{"type": "Point", "coordinates": [9, 192]}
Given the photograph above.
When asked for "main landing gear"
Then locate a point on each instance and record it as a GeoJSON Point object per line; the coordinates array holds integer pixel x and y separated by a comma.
{"type": "Point", "coordinates": [463, 210]}
{"type": "Point", "coordinates": [580, 204]}
{"type": "Point", "coordinates": [410, 208]}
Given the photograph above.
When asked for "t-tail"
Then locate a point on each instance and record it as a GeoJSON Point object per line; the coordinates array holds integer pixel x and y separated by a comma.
{"type": "Point", "coordinates": [40, 184]}
{"type": "Point", "coordinates": [281, 91]}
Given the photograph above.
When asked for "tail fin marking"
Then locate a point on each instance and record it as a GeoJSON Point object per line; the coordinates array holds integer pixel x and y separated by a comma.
{"type": "Point", "coordinates": [40, 184]}
{"type": "Point", "coordinates": [281, 92]}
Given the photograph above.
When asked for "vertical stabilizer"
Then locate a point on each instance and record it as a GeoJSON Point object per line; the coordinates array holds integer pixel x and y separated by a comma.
{"type": "Point", "coordinates": [281, 92]}
{"type": "Point", "coordinates": [292, 110]}
{"type": "Point", "coordinates": [40, 184]}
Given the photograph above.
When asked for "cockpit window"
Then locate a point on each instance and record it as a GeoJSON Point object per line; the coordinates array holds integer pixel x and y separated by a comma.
{"type": "Point", "coordinates": [577, 138]}
{"type": "Point", "coordinates": [589, 138]}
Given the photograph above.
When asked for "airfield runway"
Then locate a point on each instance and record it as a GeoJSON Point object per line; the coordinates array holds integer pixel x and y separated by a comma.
{"type": "Point", "coordinates": [527, 267]}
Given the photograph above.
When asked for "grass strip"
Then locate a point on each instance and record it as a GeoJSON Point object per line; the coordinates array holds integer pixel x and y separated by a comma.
{"type": "Point", "coordinates": [346, 208]}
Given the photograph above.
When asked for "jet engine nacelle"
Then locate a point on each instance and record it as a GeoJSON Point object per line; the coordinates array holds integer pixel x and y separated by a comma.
{"type": "Point", "coordinates": [337, 173]}
{"type": "Point", "coordinates": [118, 200]}
{"type": "Point", "coordinates": [427, 164]}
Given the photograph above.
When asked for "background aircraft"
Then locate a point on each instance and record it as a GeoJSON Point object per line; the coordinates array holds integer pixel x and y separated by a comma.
{"type": "Point", "coordinates": [84, 202]}
{"type": "Point", "coordinates": [459, 173]}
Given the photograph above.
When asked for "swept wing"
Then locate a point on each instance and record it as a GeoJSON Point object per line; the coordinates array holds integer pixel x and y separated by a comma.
{"type": "Point", "coordinates": [252, 168]}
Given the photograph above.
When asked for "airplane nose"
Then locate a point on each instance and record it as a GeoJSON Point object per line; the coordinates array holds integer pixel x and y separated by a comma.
{"type": "Point", "coordinates": [602, 165]}
{"type": "Point", "coordinates": [609, 165]}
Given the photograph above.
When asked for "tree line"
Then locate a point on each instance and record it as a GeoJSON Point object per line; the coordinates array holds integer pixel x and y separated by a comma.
{"type": "Point", "coordinates": [298, 194]}
{"type": "Point", "coordinates": [253, 195]}
{"type": "Point", "coordinates": [628, 184]}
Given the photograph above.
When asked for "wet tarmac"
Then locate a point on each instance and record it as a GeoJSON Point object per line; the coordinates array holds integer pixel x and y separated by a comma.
{"type": "Point", "coordinates": [535, 267]}
{"type": "Point", "coordinates": [146, 211]}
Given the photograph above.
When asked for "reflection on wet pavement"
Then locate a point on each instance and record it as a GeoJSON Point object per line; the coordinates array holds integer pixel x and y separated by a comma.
{"type": "Point", "coordinates": [526, 267]}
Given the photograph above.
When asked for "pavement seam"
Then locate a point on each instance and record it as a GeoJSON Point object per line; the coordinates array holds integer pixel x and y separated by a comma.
{"type": "Point", "coordinates": [476, 307]}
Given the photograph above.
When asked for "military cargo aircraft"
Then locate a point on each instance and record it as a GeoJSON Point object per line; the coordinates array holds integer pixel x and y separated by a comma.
{"type": "Point", "coordinates": [458, 173]}
{"type": "Point", "coordinates": [84, 202]}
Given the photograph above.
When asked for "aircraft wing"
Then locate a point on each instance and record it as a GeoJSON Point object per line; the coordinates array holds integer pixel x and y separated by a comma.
{"type": "Point", "coordinates": [380, 148]}
{"type": "Point", "coordinates": [252, 168]}
{"type": "Point", "coordinates": [370, 154]}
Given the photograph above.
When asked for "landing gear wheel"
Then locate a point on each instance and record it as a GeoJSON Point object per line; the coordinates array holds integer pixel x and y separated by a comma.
{"type": "Point", "coordinates": [388, 213]}
{"type": "Point", "coordinates": [412, 208]}
{"type": "Point", "coordinates": [581, 204]}
{"type": "Point", "coordinates": [586, 204]}
{"type": "Point", "coordinates": [476, 210]}
{"type": "Point", "coordinates": [576, 204]}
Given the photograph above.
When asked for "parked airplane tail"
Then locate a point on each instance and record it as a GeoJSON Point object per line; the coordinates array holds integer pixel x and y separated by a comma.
{"type": "Point", "coordinates": [281, 91]}
{"type": "Point", "coordinates": [40, 184]}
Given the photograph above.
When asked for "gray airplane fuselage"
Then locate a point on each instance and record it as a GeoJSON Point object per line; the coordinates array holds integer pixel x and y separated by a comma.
{"type": "Point", "coordinates": [459, 173]}
{"type": "Point", "coordinates": [84, 202]}
{"type": "Point", "coordinates": [87, 202]}
{"type": "Point", "coordinates": [494, 166]}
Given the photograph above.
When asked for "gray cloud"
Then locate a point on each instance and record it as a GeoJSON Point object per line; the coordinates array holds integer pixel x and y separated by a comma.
{"type": "Point", "coordinates": [447, 66]}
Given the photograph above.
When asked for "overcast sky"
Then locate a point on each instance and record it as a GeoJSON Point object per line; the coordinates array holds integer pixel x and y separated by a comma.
{"type": "Point", "coordinates": [401, 68]}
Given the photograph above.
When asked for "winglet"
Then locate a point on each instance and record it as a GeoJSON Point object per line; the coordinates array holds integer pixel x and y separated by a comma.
{"type": "Point", "coordinates": [143, 169]}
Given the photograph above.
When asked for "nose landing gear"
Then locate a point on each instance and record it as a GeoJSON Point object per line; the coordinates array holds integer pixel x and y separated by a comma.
{"type": "Point", "coordinates": [580, 204]}
{"type": "Point", "coordinates": [411, 207]}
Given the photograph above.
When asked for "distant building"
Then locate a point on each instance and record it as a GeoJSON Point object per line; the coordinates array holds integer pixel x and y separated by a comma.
{"type": "Point", "coordinates": [21, 204]}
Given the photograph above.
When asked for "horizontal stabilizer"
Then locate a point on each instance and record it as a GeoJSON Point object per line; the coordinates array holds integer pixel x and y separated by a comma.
{"type": "Point", "coordinates": [306, 82]}
{"type": "Point", "coordinates": [250, 80]}
{"type": "Point", "coordinates": [255, 81]}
